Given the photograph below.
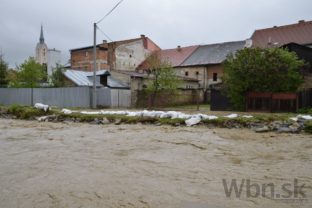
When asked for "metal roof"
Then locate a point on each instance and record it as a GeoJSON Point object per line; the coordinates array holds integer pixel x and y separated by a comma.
{"type": "Point", "coordinates": [82, 78]}
{"type": "Point", "coordinates": [213, 54]}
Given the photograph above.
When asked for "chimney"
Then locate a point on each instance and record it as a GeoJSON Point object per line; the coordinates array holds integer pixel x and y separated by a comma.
{"type": "Point", "coordinates": [301, 21]}
{"type": "Point", "coordinates": [179, 48]}
{"type": "Point", "coordinates": [145, 44]}
{"type": "Point", "coordinates": [104, 41]}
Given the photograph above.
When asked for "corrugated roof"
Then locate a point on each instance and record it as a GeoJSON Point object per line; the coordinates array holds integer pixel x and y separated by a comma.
{"type": "Point", "coordinates": [82, 78]}
{"type": "Point", "coordinates": [213, 53]}
{"type": "Point", "coordinates": [300, 33]}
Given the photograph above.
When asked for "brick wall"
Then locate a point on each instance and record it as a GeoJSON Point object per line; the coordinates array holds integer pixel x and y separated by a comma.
{"type": "Point", "coordinates": [83, 59]}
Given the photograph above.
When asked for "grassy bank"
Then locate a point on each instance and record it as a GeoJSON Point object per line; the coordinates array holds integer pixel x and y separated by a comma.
{"type": "Point", "coordinates": [30, 113]}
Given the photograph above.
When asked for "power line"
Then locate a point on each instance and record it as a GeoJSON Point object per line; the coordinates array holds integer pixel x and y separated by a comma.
{"type": "Point", "coordinates": [104, 33]}
{"type": "Point", "coordinates": [110, 11]}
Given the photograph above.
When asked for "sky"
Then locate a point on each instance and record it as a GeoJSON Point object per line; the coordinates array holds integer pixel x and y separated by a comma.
{"type": "Point", "coordinates": [68, 24]}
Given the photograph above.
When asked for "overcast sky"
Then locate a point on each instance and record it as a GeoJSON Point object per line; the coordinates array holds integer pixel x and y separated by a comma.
{"type": "Point", "coordinates": [68, 23]}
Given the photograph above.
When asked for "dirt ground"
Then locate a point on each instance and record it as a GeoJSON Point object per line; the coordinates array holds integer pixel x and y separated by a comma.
{"type": "Point", "coordinates": [82, 165]}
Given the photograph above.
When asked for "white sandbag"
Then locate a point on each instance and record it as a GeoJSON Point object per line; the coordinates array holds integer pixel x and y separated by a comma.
{"type": "Point", "coordinates": [193, 121]}
{"type": "Point", "coordinates": [231, 116]}
{"type": "Point", "coordinates": [66, 111]}
{"type": "Point", "coordinates": [41, 106]}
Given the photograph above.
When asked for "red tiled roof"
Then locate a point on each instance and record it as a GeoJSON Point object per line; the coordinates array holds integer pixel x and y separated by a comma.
{"type": "Point", "coordinates": [300, 33]}
{"type": "Point", "coordinates": [176, 56]}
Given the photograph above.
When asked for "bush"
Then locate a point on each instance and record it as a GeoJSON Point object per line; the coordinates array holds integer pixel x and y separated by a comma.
{"type": "Point", "coordinates": [261, 70]}
{"type": "Point", "coordinates": [308, 127]}
{"type": "Point", "coordinates": [305, 111]}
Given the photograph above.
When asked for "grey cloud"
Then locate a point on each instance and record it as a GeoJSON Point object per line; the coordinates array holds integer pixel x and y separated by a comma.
{"type": "Point", "coordinates": [68, 24]}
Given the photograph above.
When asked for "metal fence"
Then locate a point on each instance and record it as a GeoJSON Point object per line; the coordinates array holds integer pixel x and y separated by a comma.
{"type": "Point", "coordinates": [78, 97]}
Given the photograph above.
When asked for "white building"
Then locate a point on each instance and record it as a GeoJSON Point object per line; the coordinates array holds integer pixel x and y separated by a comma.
{"type": "Point", "coordinates": [54, 59]}
{"type": "Point", "coordinates": [42, 50]}
{"type": "Point", "coordinates": [50, 58]}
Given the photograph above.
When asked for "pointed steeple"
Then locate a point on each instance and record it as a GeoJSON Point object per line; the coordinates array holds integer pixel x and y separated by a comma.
{"type": "Point", "coordinates": [41, 35]}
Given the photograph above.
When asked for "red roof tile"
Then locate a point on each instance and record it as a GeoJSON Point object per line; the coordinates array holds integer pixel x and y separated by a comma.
{"type": "Point", "coordinates": [177, 56]}
{"type": "Point", "coordinates": [300, 33]}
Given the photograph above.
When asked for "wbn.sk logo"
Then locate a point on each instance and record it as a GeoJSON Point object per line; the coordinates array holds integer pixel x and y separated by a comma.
{"type": "Point", "coordinates": [287, 191]}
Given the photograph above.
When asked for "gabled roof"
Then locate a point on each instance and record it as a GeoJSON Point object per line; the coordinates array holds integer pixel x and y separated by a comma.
{"type": "Point", "coordinates": [213, 53]}
{"type": "Point", "coordinates": [82, 78]}
{"type": "Point", "coordinates": [176, 56]}
{"type": "Point", "coordinates": [300, 33]}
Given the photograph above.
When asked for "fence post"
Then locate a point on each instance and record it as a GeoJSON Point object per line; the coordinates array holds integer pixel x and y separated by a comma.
{"type": "Point", "coordinates": [32, 96]}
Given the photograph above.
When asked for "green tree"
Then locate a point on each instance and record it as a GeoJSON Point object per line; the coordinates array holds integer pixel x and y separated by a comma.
{"type": "Point", "coordinates": [3, 72]}
{"type": "Point", "coordinates": [30, 74]}
{"type": "Point", "coordinates": [57, 77]}
{"type": "Point", "coordinates": [261, 70]}
{"type": "Point", "coordinates": [163, 77]}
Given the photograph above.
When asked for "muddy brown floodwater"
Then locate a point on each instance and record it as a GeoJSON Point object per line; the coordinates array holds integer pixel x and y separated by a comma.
{"type": "Point", "coordinates": [81, 165]}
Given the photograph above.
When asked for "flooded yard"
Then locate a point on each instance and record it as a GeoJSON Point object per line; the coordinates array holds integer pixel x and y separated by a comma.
{"type": "Point", "coordinates": [82, 165]}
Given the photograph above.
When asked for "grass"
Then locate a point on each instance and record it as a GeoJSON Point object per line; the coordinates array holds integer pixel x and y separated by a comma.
{"type": "Point", "coordinates": [308, 127]}
{"type": "Point", "coordinates": [27, 112]}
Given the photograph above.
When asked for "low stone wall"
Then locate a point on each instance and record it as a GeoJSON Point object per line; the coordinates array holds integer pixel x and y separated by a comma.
{"type": "Point", "coordinates": [166, 99]}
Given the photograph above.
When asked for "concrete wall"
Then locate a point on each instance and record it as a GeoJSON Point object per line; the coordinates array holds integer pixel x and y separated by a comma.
{"type": "Point", "coordinates": [165, 99]}
{"type": "Point", "coordinates": [54, 58]}
{"type": "Point", "coordinates": [215, 69]}
{"type": "Point", "coordinates": [128, 56]}
{"type": "Point", "coordinates": [203, 73]}
{"type": "Point", "coordinates": [195, 72]}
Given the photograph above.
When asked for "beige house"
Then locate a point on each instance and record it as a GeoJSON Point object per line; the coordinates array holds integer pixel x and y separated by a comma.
{"type": "Point", "coordinates": [205, 63]}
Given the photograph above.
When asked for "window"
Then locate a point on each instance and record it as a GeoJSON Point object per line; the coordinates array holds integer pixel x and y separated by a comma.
{"type": "Point", "coordinates": [186, 73]}
{"type": "Point", "coordinates": [87, 54]}
{"type": "Point", "coordinates": [197, 73]}
{"type": "Point", "coordinates": [215, 77]}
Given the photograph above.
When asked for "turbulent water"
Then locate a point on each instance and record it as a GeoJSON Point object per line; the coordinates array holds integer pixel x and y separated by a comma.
{"type": "Point", "coordinates": [81, 165]}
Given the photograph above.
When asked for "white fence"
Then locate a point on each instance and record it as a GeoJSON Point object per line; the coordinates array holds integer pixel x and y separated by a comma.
{"type": "Point", "coordinates": [79, 97]}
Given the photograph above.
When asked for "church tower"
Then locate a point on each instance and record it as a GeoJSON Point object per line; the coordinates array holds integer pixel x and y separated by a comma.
{"type": "Point", "coordinates": [42, 50]}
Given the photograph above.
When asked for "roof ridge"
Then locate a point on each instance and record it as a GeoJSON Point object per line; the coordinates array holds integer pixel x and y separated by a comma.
{"type": "Point", "coordinates": [181, 47]}
{"type": "Point", "coordinates": [239, 41]}
{"type": "Point", "coordinates": [286, 26]}
{"type": "Point", "coordinates": [181, 64]}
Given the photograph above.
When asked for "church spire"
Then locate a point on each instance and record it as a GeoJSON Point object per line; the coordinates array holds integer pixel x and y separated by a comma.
{"type": "Point", "coordinates": [41, 35]}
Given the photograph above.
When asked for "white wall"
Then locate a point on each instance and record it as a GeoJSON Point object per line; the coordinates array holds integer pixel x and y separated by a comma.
{"type": "Point", "coordinates": [54, 58]}
{"type": "Point", "coordinates": [130, 55]}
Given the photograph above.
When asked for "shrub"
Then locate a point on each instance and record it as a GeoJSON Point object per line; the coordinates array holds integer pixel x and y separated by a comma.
{"type": "Point", "coordinates": [308, 127]}
{"type": "Point", "coordinates": [25, 112]}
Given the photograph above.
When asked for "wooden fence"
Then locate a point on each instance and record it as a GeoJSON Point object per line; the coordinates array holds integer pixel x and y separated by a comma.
{"type": "Point", "coordinates": [265, 102]}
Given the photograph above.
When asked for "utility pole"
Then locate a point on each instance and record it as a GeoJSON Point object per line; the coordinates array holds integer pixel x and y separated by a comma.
{"type": "Point", "coordinates": [94, 96]}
